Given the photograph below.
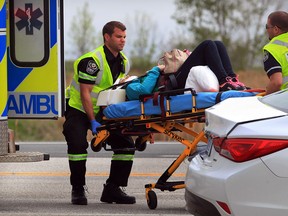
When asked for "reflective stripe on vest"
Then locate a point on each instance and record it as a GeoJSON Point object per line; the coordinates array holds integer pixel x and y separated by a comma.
{"type": "Point", "coordinates": [77, 157]}
{"type": "Point", "coordinates": [77, 87]}
{"type": "Point", "coordinates": [100, 73]}
{"type": "Point", "coordinates": [285, 79]}
{"type": "Point", "coordinates": [281, 43]}
{"type": "Point", "coordinates": [122, 157]}
{"type": "Point", "coordinates": [86, 76]}
{"type": "Point", "coordinates": [285, 82]}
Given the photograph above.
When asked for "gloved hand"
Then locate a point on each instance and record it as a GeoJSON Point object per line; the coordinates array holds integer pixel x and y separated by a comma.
{"type": "Point", "coordinates": [94, 125]}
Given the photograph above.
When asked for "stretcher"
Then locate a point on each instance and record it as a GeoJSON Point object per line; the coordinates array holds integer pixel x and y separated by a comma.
{"type": "Point", "coordinates": [167, 113]}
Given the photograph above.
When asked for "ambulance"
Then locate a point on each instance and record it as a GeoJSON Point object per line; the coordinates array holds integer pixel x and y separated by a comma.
{"type": "Point", "coordinates": [32, 78]}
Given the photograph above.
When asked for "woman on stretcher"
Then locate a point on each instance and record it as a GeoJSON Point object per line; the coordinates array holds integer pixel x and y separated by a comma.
{"type": "Point", "coordinates": [208, 53]}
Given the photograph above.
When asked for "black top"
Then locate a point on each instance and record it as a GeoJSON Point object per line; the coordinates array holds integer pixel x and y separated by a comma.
{"type": "Point", "coordinates": [271, 65]}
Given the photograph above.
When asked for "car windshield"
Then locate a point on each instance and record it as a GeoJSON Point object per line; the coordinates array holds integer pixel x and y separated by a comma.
{"type": "Point", "coordinates": [278, 100]}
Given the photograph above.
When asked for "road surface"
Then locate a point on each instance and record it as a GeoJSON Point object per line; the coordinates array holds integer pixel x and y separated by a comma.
{"type": "Point", "coordinates": [42, 188]}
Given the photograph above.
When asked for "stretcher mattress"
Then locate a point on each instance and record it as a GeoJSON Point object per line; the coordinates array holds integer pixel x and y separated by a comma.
{"type": "Point", "coordinates": [178, 104]}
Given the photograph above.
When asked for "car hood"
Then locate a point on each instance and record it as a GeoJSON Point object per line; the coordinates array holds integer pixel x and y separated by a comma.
{"type": "Point", "coordinates": [223, 117]}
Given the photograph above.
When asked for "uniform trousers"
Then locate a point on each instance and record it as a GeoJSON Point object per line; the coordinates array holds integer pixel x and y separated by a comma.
{"type": "Point", "coordinates": [75, 130]}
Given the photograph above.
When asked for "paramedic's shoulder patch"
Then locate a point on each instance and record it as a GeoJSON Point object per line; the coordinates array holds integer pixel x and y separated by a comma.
{"type": "Point", "coordinates": [265, 56]}
{"type": "Point", "coordinates": [92, 67]}
{"type": "Point", "coordinates": [89, 66]}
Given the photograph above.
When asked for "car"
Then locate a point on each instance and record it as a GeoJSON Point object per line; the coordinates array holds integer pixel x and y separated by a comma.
{"type": "Point", "coordinates": [243, 170]}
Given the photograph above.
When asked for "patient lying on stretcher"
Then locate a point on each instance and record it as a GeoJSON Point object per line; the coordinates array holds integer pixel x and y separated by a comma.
{"type": "Point", "coordinates": [207, 68]}
{"type": "Point", "coordinates": [200, 77]}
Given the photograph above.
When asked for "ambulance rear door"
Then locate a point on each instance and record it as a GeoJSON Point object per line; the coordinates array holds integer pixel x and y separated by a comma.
{"type": "Point", "coordinates": [36, 78]}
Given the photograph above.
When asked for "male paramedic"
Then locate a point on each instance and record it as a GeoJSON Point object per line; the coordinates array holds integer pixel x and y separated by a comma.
{"type": "Point", "coordinates": [276, 51]}
{"type": "Point", "coordinates": [93, 72]}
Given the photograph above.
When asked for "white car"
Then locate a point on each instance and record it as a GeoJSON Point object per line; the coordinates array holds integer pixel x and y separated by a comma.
{"type": "Point", "coordinates": [244, 169]}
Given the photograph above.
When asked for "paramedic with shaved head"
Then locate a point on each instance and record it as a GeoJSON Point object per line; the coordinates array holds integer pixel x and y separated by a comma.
{"type": "Point", "coordinates": [276, 51]}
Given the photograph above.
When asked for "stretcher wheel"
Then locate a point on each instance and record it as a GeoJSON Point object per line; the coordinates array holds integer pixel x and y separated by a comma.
{"type": "Point", "coordinates": [140, 145]}
{"type": "Point", "coordinates": [152, 199]}
{"type": "Point", "coordinates": [96, 148]}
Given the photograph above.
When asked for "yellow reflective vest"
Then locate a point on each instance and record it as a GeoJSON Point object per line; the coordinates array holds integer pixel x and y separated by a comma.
{"type": "Point", "coordinates": [103, 80]}
{"type": "Point", "coordinates": [278, 48]}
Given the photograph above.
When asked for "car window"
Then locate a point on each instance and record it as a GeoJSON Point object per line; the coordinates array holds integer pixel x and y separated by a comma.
{"type": "Point", "coordinates": [278, 100]}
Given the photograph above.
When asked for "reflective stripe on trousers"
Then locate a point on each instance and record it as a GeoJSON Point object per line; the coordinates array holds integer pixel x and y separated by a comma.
{"type": "Point", "coordinates": [77, 157]}
{"type": "Point", "coordinates": [122, 157]}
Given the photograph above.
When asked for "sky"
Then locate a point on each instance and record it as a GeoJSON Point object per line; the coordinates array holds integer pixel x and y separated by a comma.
{"type": "Point", "coordinates": [158, 11]}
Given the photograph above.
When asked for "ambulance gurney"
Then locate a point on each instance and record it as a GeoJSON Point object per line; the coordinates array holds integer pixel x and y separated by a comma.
{"type": "Point", "coordinates": [171, 112]}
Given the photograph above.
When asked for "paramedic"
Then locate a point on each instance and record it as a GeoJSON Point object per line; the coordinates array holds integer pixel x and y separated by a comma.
{"type": "Point", "coordinates": [93, 72]}
{"type": "Point", "coordinates": [276, 51]}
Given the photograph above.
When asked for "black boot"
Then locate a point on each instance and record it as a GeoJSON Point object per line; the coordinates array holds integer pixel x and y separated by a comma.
{"type": "Point", "coordinates": [112, 193]}
{"type": "Point", "coordinates": [78, 196]}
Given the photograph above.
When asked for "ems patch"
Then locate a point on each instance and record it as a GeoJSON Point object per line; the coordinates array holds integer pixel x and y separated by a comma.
{"type": "Point", "coordinates": [266, 56]}
{"type": "Point", "coordinates": [92, 67]}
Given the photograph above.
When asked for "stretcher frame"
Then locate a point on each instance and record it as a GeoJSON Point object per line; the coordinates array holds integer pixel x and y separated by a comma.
{"type": "Point", "coordinates": [144, 126]}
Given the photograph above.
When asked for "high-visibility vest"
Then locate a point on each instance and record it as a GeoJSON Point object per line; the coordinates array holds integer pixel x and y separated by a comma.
{"type": "Point", "coordinates": [103, 80]}
{"type": "Point", "coordinates": [278, 48]}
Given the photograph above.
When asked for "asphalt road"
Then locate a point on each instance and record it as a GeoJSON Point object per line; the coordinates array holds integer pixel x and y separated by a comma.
{"type": "Point", "coordinates": [58, 149]}
{"type": "Point", "coordinates": [42, 188]}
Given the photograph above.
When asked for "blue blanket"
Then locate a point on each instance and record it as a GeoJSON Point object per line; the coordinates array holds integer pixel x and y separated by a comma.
{"type": "Point", "coordinates": [178, 104]}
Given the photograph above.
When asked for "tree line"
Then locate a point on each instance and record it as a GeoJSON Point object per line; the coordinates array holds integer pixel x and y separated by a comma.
{"type": "Point", "coordinates": [239, 24]}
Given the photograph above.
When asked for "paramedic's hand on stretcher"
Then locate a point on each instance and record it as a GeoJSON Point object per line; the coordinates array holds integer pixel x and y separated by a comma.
{"type": "Point", "coordinates": [94, 125]}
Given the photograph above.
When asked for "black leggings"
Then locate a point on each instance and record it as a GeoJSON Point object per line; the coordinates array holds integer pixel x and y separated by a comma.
{"type": "Point", "coordinates": [210, 53]}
